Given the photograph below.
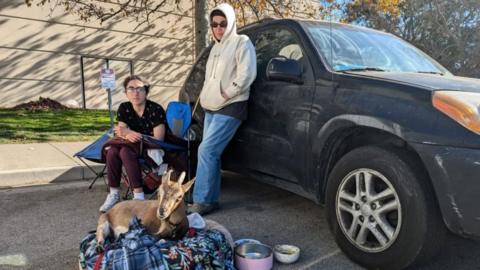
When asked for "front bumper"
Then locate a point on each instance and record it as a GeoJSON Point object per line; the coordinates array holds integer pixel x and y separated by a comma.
{"type": "Point", "coordinates": [455, 175]}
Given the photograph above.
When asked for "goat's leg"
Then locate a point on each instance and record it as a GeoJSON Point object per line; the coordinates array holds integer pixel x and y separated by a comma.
{"type": "Point", "coordinates": [103, 231]}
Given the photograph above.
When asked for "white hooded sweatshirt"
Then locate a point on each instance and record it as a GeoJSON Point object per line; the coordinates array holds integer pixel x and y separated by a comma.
{"type": "Point", "coordinates": [231, 67]}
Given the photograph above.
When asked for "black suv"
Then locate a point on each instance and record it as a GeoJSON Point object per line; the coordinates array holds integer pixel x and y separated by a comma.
{"type": "Point", "coordinates": [367, 124]}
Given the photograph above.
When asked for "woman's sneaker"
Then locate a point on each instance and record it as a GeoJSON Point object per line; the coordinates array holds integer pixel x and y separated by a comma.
{"type": "Point", "coordinates": [110, 201]}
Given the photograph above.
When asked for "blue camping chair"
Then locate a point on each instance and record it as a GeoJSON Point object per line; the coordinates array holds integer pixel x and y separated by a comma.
{"type": "Point", "coordinates": [93, 153]}
{"type": "Point", "coordinates": [177, 141]}
{"type": "Point", "coordinates": [179, 118]}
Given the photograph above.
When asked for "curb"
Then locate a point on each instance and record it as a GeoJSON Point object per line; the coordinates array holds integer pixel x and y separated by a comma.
{"type": "Point", "coordinates": [40, 176]}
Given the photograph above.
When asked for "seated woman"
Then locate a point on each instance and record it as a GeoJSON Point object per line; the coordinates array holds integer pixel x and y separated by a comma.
{"type": "Point", "coordinates": [136, 117]}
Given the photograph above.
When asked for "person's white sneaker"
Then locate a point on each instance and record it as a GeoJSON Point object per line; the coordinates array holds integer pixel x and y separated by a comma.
{"type": "Point", "coordinates": [110, 201]}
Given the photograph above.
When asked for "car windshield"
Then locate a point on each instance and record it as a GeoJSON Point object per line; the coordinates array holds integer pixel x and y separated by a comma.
{"type": "Point", "coordinates": [356, 49]}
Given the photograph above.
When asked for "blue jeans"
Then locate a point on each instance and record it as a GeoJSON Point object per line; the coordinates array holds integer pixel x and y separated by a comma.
{"type": "Point", "coordinates": [218, 130]}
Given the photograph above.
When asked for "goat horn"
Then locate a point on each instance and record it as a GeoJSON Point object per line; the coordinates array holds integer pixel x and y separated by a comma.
{"type": "Point", "coordinates": [181, 178]}
{"type": "Point", "coordinates": [169, 175]}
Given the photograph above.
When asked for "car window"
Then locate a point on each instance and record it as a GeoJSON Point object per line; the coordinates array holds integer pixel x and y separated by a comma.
{"type": "Point", "coordinates": [347, 47]}
{"type": "Point", "coordinates": [276, 42]}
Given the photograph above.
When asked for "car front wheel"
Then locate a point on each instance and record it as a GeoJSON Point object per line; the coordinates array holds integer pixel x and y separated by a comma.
{"type": "Point", "coordinates": [381, 209]}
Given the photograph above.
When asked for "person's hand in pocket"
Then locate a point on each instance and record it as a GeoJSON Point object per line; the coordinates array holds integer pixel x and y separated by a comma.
{"type": "Point", "coordinates": [224, 95]}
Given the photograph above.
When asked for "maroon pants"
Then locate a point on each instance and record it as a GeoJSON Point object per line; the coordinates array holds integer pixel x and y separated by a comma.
{"type": "Point", "coordinates": [117, 156]}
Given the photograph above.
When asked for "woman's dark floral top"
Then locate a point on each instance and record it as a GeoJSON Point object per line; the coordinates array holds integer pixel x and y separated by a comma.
{"type": "Point", "coordinates": [153, 115]}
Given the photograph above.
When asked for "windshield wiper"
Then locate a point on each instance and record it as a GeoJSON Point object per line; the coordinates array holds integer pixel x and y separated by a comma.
{"type": "Point", "coordinates": [362, 69]}
{"type": "Point", "coordinates": [431, 72]}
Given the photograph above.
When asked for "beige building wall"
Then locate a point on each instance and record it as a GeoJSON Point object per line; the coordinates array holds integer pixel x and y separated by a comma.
{"type": "Point", "coordinates": [41, 51]}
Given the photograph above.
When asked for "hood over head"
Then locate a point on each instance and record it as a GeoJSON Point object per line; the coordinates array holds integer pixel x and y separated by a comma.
{"type": "Point", "coordinates": [231, 20]}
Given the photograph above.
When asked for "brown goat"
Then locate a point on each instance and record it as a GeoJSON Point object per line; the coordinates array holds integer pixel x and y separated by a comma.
{"type": "Point", "coordinates": [164, 218]}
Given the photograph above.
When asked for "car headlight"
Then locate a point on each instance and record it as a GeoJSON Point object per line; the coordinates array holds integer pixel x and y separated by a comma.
{"type": "Point", "coordinates": [462, 107]}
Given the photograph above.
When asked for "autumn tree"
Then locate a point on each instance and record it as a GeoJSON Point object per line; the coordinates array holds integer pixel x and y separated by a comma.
{"type": "Point", "coordinates": [380, 14]}
{"type": "Point", "coordinates": [447, 30]}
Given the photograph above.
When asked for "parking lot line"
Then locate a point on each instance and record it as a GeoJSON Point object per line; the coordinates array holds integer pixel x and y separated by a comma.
{"type": "Point", "coordinates": [319, 260]}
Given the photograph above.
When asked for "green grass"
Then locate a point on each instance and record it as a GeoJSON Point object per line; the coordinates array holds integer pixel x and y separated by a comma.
{"type": "Point", "coordinates": [23, 126]}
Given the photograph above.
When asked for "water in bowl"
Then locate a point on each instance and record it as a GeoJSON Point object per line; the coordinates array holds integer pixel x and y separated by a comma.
{"type": "Point", "coordinates": [254, 255]}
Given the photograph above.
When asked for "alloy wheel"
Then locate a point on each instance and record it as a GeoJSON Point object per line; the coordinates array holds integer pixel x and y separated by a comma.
{"type": "Point", "coordinates": [368, 210]}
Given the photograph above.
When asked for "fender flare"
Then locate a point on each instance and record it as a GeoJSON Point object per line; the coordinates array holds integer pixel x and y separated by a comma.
{"type": "Point", "coordinates": [333, 128]}
{"type": "Point", "coordinates": [349, 121]}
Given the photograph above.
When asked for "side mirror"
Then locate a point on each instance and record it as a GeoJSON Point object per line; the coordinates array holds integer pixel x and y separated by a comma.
{"type": "Point", "coordinates": [283, 69]}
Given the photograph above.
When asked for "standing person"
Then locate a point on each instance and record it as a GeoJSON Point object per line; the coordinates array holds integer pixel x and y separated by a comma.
{"type": "Point", "coordinates": [136, 117]}
{"type": "Point", "coordinates": [231, 69]}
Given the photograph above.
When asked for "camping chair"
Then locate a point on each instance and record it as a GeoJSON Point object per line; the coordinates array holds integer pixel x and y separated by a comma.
{"type": "Point", "coordinates": [179, 118]}
{"type": "Point", "coordinates": [93, 153]}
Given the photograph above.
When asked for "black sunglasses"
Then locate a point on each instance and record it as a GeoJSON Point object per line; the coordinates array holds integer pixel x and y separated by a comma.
{"type": "Point", "coordinates": [222, 24]}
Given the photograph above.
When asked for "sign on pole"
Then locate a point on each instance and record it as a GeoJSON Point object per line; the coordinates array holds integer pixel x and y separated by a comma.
{"type": "Point", "coordinates": [107, 76]}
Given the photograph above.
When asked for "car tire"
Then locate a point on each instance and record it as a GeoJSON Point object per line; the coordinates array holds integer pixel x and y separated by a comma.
{"type": "Point", "coordinates": [382, 210]}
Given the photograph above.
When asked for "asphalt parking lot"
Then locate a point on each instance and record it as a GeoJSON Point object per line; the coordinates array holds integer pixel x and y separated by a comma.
{"type": "Point", "coordinates": [41, 226]}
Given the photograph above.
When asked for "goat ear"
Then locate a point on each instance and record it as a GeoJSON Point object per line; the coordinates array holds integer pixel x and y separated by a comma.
{"type": "Point", "coordinates": [188, 185]}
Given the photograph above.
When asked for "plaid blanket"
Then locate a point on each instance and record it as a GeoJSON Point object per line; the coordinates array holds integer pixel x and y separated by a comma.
{"type": "Point", "coordinates": [136, 249]}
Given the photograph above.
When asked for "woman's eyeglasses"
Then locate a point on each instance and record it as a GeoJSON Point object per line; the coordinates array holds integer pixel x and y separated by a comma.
{"type": "Point", "coordinates": [132, 89]}
{"type": "Point", "coordinates": [222, 24]}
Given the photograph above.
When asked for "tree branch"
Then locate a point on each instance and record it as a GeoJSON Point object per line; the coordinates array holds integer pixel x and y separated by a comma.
{"type": "Point", "coordinates": [274, 8]}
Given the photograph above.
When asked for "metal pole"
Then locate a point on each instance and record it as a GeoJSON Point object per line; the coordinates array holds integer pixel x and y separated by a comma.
{"type": "Point", "coordinates": [110, 107]}
{"type": "Point", "coordinates": [131, 68]}
{"type": "Point", "coordinates": [83, 83]}
{"type": "Point", "coordinates": [109, 91]}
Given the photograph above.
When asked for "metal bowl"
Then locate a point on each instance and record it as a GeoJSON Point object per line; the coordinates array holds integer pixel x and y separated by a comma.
{"type": "Point", "coordinates": [286, 253]}
{"type": "Point", "coordinates": [253, 256]}
{"type": "Point", "coordinates": [246, 240]}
